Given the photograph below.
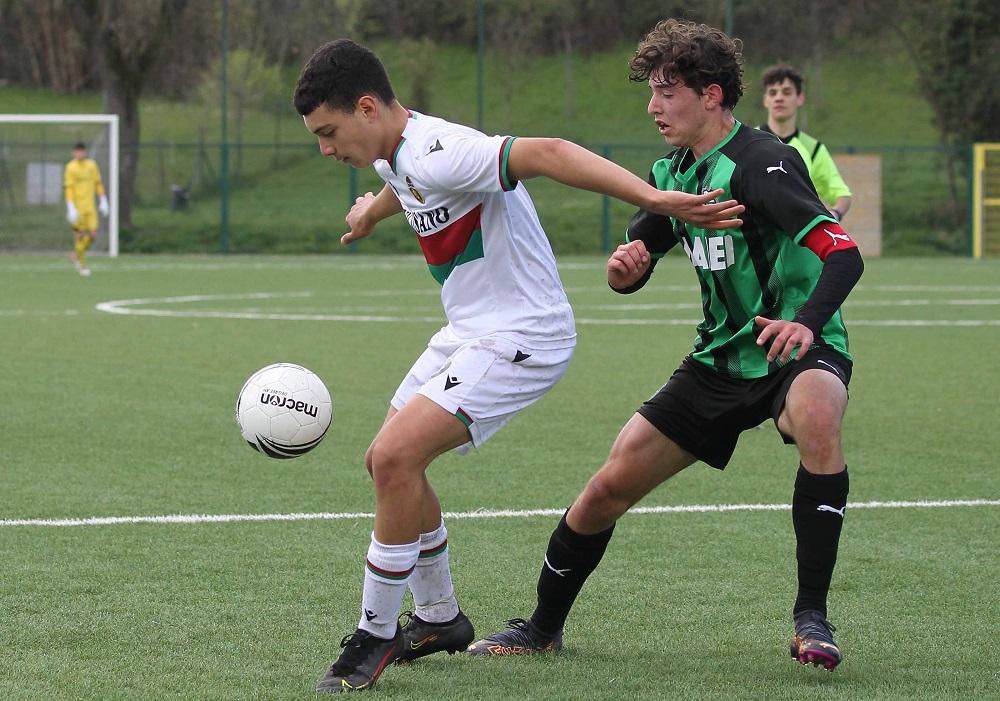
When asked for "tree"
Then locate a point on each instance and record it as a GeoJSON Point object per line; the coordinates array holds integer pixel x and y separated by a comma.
{"type": "Point", "coordinates": [954, 45]}
{"type": "Point", "coordinates": [131, 36]}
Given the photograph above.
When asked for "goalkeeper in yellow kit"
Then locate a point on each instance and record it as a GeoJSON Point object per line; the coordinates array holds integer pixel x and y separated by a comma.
{"type": "Point", "coordinates": [82, 182]}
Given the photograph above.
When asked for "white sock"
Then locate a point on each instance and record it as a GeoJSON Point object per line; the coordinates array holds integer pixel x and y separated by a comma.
{"type": "Point", "coordinates": [433, 593]}
{"type": "Point", "coordinates": [386, 572]}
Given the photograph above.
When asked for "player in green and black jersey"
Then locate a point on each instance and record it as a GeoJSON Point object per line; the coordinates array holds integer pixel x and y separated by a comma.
{"type": "Point", "coordinates": [772, 344]}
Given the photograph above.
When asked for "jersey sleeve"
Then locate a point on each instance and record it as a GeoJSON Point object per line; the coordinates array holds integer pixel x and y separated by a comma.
{"type": "Point", "coordinates": [826, 177]}
{"type": "Point", "coordinates": [98, 185]}
{"type": "Point", "coordinates": [654, 230]}
{"type": "Point", "coordinates": [68, 182]}
{"type": "Point", "coordinates": [466, 163]}
{"type": "Point", "coordinates": [776, 187]}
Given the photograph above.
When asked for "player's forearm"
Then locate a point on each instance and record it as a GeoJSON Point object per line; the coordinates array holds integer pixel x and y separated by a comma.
{"type": "Point", "coordinates": [841, 272]}
{"type": "Point", "coordinates": [573, 165]}
{"type": "Point", "coordinates": [841, 207]}
{"type": "Point", "coordinates": [385, 205]}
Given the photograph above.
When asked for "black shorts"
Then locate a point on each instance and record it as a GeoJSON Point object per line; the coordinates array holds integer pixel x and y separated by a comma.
{"type": "Point", "coordinates": [704, 411]}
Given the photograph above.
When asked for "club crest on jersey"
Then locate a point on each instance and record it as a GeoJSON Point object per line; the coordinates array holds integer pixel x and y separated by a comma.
{"type": "Point", "coordinates": [414, 191]}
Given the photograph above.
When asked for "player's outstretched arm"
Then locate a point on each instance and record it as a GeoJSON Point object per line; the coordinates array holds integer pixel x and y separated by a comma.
{"type": "Point", "coordinates": [369, 210]}
{"type": "Point", "coordinates": [573, 165]}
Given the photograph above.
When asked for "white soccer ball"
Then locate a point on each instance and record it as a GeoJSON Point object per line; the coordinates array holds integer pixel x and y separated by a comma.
{"type": "Point", "coordinates": [284, 410]}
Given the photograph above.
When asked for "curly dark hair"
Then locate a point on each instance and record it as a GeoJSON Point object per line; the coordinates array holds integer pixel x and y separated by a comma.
{"type": "Point", "coordinates": [695, 54]}
{"type": "Point", "coordinates": [337, 75]}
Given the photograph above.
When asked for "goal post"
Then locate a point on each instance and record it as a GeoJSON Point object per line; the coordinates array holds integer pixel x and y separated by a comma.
{"type": "Point", "coordinates": [986, 200]}
{"type": "Point", "coordinates": [34, 149]}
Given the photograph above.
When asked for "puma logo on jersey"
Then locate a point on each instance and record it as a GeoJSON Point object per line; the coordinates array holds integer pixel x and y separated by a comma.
{"type": "Point", "coordinates": [842, 237]}
{"type": "Point", "coordinates": [780, 166]}
{"type": "Point", "coordinates": [710, 252]}
{"type": "Point", "coordinates": [824, 507]}
{"type": "Point", "coordinates": [436, 147]}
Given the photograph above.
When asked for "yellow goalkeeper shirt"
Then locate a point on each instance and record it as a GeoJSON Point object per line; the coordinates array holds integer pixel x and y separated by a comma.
{"type": "Point", "coordinates": [81, 181]}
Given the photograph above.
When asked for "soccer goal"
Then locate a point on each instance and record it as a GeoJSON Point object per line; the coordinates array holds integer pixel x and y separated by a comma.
{"type": "Point", "coordinates": [34, 150]}
{"type": "Point", "coordinates": [986, 200]}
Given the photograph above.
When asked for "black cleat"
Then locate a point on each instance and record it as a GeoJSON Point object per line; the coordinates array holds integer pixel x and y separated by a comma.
{"type": "Point", "coordinates": [421, 638]}
{"type": "Point", "coordinates": [362, 661]}
{"type": "Point", "coordinates": [813, 641]}
{"type": "Point", "coordinates": [520, 638]}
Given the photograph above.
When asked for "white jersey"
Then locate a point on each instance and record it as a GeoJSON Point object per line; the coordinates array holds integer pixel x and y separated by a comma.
{"type": "Point", "coordinates": [479, 233]}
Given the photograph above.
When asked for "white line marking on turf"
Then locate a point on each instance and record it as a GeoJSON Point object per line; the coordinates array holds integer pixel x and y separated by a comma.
{"type": "Point", "coordinates": [129, 307]}
{"type": "Point", "coordinates": [477, 514]}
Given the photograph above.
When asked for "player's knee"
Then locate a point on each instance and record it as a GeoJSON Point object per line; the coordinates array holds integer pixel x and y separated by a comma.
{"type": "Point", "coordinates": [368, 459]}
{"type": "Point", "coordinates": [389, 464]}
{"type": "Point", "coordinates": [601, 497]}
{"type": "Point", "coordinates": [816, 425]}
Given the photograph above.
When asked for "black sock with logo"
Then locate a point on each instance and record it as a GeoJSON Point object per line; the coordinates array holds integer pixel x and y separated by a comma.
{"type": "Point", "coordinates": [818, 506]}
{"type": "Point", "coordinates": [569, 560]}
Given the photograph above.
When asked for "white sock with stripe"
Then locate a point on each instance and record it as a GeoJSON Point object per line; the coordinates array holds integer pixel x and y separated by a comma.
{"type": "Point", "coordinates": [433, 593]}
{"type": "Point", "coordinates": [386, 572]}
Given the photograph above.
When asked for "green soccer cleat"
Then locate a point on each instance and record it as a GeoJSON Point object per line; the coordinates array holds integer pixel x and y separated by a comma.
{"type": "Point", "coordinates": [520, 638]}
{"type": "Point", "coordinates": [422, 638]}
{"type": "Point", "coordinates": [362, 661]}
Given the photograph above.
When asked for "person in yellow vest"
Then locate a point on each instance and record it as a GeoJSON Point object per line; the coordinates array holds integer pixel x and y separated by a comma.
{"type": "Point", "coordinates": [784, 94]}
{"type": "Point", "coordinates": [82, 182]}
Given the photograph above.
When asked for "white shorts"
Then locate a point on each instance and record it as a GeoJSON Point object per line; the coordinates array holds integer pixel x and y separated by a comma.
{"type": "Point", "coordinates": [484, 381]}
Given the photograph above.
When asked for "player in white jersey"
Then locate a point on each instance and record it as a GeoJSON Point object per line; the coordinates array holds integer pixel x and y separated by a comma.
{"type": "Point", "coordinates": [510, 331]}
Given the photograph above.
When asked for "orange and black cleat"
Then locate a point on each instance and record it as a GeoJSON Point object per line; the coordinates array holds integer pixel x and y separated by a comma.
{"type": "Point", "coordinates": [520, 638]}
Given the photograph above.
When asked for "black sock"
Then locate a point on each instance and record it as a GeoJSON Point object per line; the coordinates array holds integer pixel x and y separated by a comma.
{"type": "Point", "coordinates": [569, 560]}
{"type": "Point", "coordinates": [818, 505]}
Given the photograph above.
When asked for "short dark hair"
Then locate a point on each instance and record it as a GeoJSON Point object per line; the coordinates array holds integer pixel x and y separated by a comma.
{"type": "Point", "coordinates": [695, 54]}
{"type": "Point", "coordinates": [337, 75]}
{"type": "Point", "coordinates": [781, 73]}
{"type": "Point", "coordinates": [79, 145]}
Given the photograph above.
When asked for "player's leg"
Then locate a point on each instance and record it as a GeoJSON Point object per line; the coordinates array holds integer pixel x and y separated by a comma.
{"type": "Point", "coordinates": [435, 605]}
{"type": "Point", "coordinates": [812, 416]}
{"type": "Point", "coordinates": [404, 447]}
{"type": "Point", "coordinates": [74, 256]}
{"type": "Point", "coordinates": [641, 458]}
{"type": "Point", "coordinates": [85, 232]}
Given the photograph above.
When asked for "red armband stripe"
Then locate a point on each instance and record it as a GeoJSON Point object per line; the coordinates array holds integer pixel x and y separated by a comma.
{"type": "Point", "coordinates": [827, 237]}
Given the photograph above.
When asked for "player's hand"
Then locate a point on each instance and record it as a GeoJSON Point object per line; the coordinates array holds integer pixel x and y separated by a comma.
{"type": "Point", "coordinates": [627, 264]}
{"type": "Point", "coordinates": [361, 225]}
{"type": "Point", "coordinates": [785, 337]}
{"type": "Point", "coordinates": [71, 214]}
{"type": "Point", "coordinates": [103, 207]}
{"type": "Point", "coordinates": [699, 210]}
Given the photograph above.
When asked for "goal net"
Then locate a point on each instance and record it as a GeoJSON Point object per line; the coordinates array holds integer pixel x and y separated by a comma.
{"type": "Point", "coordinates": [34, 151]}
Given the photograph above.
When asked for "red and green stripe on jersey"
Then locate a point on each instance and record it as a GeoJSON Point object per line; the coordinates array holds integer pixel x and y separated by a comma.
{"type": "Point", "coordinates": [458, 243]}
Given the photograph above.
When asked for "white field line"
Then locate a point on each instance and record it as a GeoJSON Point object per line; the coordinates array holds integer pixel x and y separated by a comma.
{"type": "Point", "coordinates": [477, 514]}
{"type": "Point", "coordinates": [133, 307]}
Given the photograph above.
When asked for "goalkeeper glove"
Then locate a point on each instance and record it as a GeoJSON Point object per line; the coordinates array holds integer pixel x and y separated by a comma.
{"type": "Point", "coordinates": [102, 206]}
{"type": "Point", "coordinates": [71, 214]}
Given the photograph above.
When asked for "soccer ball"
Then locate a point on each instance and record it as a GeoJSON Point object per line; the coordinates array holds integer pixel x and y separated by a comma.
{"type": "Point", "coordinates": [284, 410]}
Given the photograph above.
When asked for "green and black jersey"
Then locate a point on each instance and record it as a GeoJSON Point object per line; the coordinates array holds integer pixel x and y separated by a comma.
{"type": "Point", "coordinates": [757, 269]}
